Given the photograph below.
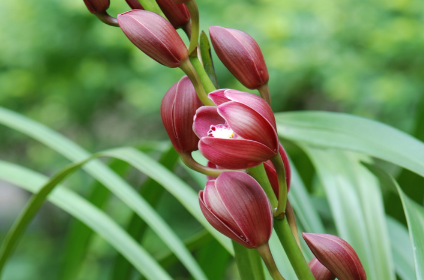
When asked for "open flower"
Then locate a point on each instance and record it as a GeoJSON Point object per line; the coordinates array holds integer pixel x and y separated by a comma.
{"type": "Point", "coordinates": [239, 133]}
{"type": "Point", "coordinates": [177, 110]}
{"type": "Point", "coordinates": [236, 205]}
{"type": "Point", "coordinates": [272, 173]}
{"type": "Point", "coordinates": [336, 255]}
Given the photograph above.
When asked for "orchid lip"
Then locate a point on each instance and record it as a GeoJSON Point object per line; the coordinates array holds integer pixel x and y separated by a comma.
{"type": "Point", "coordinates": [221, 131]}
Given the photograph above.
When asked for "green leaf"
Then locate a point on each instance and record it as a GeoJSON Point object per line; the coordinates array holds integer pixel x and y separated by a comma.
{"type": "Point", "coordinates": [414, 216]}
{"type": "Point", "coordinates": [344, 131]}
{"type": "Point", "coordinates": [88, 214]}
{"type": "Point", "coordinates": [79, 234]}
{"type": "Point", "coordinates": [104, 175]}
{"type": "Point", "coordinates": [356, 204]}
{"type": "Point", "coordinates": [401, 249]}
{"type": "Point", "coordinates": [152, 193]}
{"type": "Point", "coordinates": [172, 183]}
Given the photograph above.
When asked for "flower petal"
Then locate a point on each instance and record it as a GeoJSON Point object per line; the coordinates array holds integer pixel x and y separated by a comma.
{"type": "Point", "coordinates": [204, 118]}
{"type": "Point", "coordinates": [319, 271]}
{"type": "Point", "coordinates": [248, 124]}
{"type": "Point", "coordinates": [336, 255]}
{"type": "Point", "coordinates": [218, 224]}
{"type": "Point", "coordinates": [234, 153]}
{"type": "Point", "coordinates": [248, 204]}
{"type": "Point", "coordinates": [253, 101]}
{"type": "Point", "coordinates": [218, 96]}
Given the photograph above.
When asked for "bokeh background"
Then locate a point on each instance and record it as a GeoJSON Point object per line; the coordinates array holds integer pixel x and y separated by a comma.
{"type": "Point", "coordinates": [62, 67]}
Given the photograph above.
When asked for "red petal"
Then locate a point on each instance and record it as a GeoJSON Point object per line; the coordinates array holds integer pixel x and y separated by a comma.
{"type": "Point", "coordinates": [218, 96]}
{"type": "Point", "coordinates": [319, 271]}
{"type": "Point", "coordinates": [241, 55]}
{"type": "Point", "coordinates": [177, 14]}
{"type": "Point", "coordinates": [234, 153]}
{"type": "Point", "coordinates": [218, 224]}
{"type": "Point", "coordinates": [213, 201]}
{"type": "Point", "coordinates": [337, 255]}
{"type": "Point", "coordinates": [248, 205]}
{"type": "Point", "coordinates": [204, 118]}
{"type": "Point", "coordinates": [248, 124]}
{"type": "Point", "coordinates": [253, 101]}
{"type": "Point", "coordinates": [134, 4]}
{"type": "Point", "coordinates": [155, 36]}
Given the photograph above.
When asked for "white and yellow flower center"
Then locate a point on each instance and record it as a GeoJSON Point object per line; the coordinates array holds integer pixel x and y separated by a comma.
{"type": "Point", "coordinates": [221, 131]}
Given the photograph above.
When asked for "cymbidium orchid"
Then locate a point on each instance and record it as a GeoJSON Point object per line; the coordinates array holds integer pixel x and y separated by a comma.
{"type": "Point", "coordinates": [155, 36]}
{"type": "Point", "coordinates": [96, 6]}
{"type": "Point", "coordinates": [134, 4]}
{"type": "Point", "coordinates": [236, 205]}
{"type": "Point", "coordinates": [239, 133]}
{"type": "Point", "coordinates": [177, 110]}
{"type": "Point", "coordinates": [319, 271]}
{"type": "Point", "coordinates": [336, 255]}
{"type": "Point", "coordinates": [240, 53]}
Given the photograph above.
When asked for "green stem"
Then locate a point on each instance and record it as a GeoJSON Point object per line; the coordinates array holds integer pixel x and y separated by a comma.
{"type": "Point", "coordinates": [259, 173]}
{"type": "Point", "coordinates": [192, 164]}
{"type": "Point", "coordinates": [188, 68]}
{"type": "Point", "coordinates": [106, 18]}
{"type": "Point", "coordinates": [293, 252]}
{"type": "Point", "coordinates": [291, 219]}
{"type": "Point", "coordinates": [205, 52]}
{"type": "Point", "coordinates": [266, 255]}
{"type": "Point", "coordinates": [194, 38]}
{"type": "Point", "coordinates": [204, 78]}
{"type": "Point", "coordinates": [264, 91]}
{"type": "Point", "coordinates": [248, 262]}
{"type": "Point", "coordinates": [282, 185]}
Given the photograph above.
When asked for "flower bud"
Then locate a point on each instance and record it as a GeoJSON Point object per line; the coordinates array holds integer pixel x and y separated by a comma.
{"type": "Point", "coordinates": [96, 6]}
{"type": "Point", "coordinates": [336, 255]}
{"type": "Point", "coordinates": [272, 173]}
{"type": "Point", "coordinates": [236, 205]}
{"type": "Point", "coordinates": [134, 4]}
{"type": "Point", "coordinates": [319, 271]}
{"type": "Point", "coordinates": [155, 36]}
{"type": "Point", "coordinates": [241, 55]}
{"type": "Point", "coordinates": [181, 1]}
{"type": "Point", "coordinates": [177, 110]}
{"type": "Point", "coordinates": [177, 14]}
{"type": "Point", "coordinates": [239, 133]}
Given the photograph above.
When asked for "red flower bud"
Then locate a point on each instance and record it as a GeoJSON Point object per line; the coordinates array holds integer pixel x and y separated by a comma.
{"type": "Point", "coordinates": [272, 173]}
{"type": "Point", "coordinates": [96, 6]}
{"type": "Point", "coordinates": [241, 55]}
{"type": "Point", "coordinates": [155, 36]}
{"type": "Point", "coordinates": [319, 271]}
{"type": "Point", "coordinates": [336, 255]}
{"type": "Point", "coordinates": [177, 110]}
{"type": "Point", "coordinates": [239, 133]}
{"type": "Point", "coordinates": [177, 14]}
{"type": "Point", "coordinates": [236, 205]}
{"type": "Point", "coordinates": [180, 1]}
{"type": "Point", "coordinates": [134, 4]}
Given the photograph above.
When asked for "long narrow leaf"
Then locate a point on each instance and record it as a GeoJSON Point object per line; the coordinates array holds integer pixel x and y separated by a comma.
{"type": "Point", "coordinates": [340, 175]}
{"type": "Point", "coordinates": [90, 215]}
{"type": "Point", "coordinates": [344, 131]}
{"type": "Point", "coordinates": [99, 171]}
{"type": "Point", "coordinates": [414, 216]}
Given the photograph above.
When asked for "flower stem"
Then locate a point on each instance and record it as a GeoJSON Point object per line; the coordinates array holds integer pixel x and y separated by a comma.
{"type": "Point", "coordinates": [259, 173]}
{"type": "Point", "coordinates": [194, 38]}
{"type": "Point", "coordinates": [282, 185]}
{"type": "Point", "coordinates": [291, 219]}
{"type": "Point", "coordinates": [204, 78]}
{"type": "Point", "coordinates": [106, 18]}
{"type": "Point", "coordinates": [192, 164]}
{"type": "Point", "coordinates": [266, 95]}
{"type": "Point", "coordinates": [266, 255]}
{"type": "Point", "coordinates": [188, 68]}
{"type": "Point", "coordinates": [293, 252]}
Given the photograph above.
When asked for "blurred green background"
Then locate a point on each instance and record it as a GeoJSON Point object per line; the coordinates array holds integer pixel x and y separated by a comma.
{"type": "Point", "coordinates": [61, 66]}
